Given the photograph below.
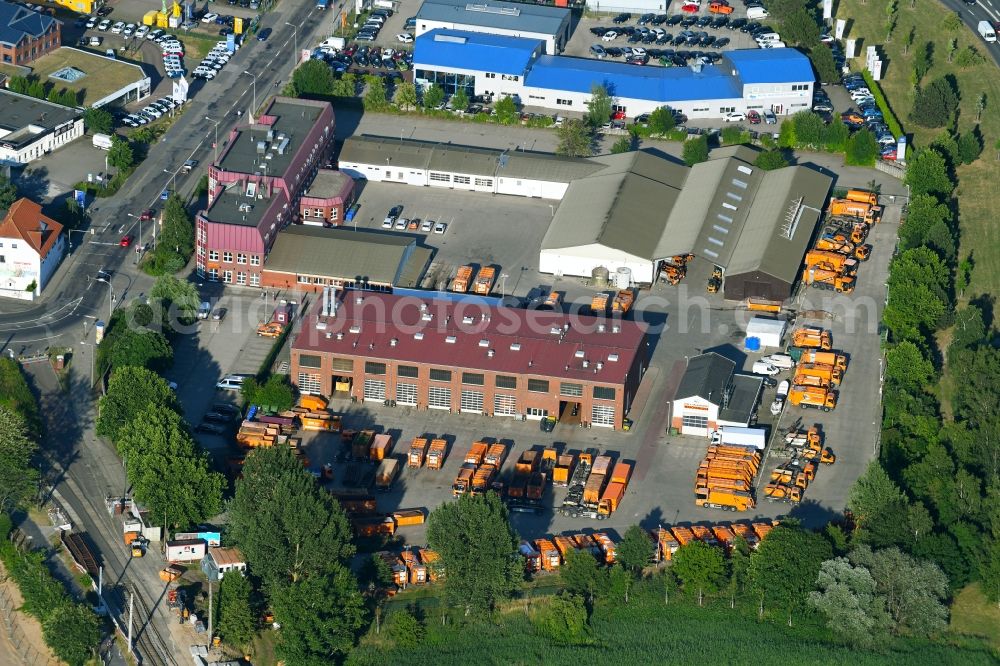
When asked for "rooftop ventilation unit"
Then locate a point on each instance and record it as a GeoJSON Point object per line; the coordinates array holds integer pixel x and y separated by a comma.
{"type": "Point", "coordinates": [418, 336]}
{"type": "Point", "coordinates": [491, 353]}
{"type": "Point", "coordinates": [354, 329]}
{"type": "Point", "coordinates": [261, 147]}
{"type": "Point", "coordinates": [600, 328]}
{"type": "Point", "coordinates": [359, 300]}
{"type": "Point", "coordinates": [586, 363]}
{"type": "Point", "coordinates": [612, 358]}
{"type": "Point", "coordinates": [600, 365]}
{"type": "Point", "coordinates": [340, 336]}
{"type": "Point", "coordinates": [616, 328]}
{"type": "Point", "coordinates": [321, 326]}
{"type": "Point", "coordinates": [328, 335]}
{"type": "Point", "coordinates": [515, 346]}
{"type": "Point", "coordinates": [468, 320]}
{"type": "Point", "coordinates": [427, 316]}
{"type": "Point", "coordinates": [451, 339]}
{"type": "Point", "coordinates": [556, 330]}
{"type": "Point", "coordinates": [579, 353]}
{"type": "Point", "coordinates": [393, 342]}
{"type": "Point", "coordinates": [484, 343]}
{"type": "Point", "coordinates": [270, 135]}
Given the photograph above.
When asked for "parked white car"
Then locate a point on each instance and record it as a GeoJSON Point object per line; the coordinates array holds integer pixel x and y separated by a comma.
{"type": "Point", "coordinates": [118, 27]}
{"type": "Point", "coordinates": [734, 117]}
{"type": "Point", "coordinates": [142, 31]}
{"type": "Point", "coordinates": [609, 36]}
{"type": "Point", "coordinates": [104, 25]}
{"type": "Point", "coordinates": [404, 38]}
{"type": "Point", "coordinates": [440, 228]}
{"type": "Point", "coordinates": [764, 368]}
{"type": "Point", "coordinates": [209, 18]}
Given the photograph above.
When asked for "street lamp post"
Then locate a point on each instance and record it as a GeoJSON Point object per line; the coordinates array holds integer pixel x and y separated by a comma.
{"type": "Point", "coordinates": [215, 146]}
{"type": "Point", "coordinates": [254, 89]}
{"type": "Point", "coordinates": [295, 37]}
{"type": "Point", "coordinates": [139, 241]}
{"type": "Point", "coordinates": [173, 177]}
{"type": "Point", "coordinates": [503, 285]}
{"type": "Point", "coordinates": [111, 298]}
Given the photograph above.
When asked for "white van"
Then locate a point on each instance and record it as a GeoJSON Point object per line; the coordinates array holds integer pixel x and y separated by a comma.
{"type": "Point", "coordinates": [764, 368]}
{"type": "Point", "coordinates": [755, 13]}
{"type": "Point", "coordinates": [782, 361]}
{"type": "Point", "coordinates": [231, 382]}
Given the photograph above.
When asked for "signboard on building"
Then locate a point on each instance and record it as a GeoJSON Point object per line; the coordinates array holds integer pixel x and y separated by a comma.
{"type": "Point", "coordinates": [840, 28]}
{"type": "Point", "coordinates": [827, 10]}
{"type": "Point", "coordinates": [849, 48]}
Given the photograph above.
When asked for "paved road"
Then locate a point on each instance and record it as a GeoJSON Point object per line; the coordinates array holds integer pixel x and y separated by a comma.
{"type": "Point", "coordinates": [984, 10]}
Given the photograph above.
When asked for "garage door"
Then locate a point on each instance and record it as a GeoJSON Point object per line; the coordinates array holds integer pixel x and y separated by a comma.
{"type": "Point", "coordinates": [603, 415]}
{"type": "Point", "coordinates": [504, 405]}
{"type": "Point", "coordinates": [472, 401]}
{"type": "Point", "coordinates": [406, 394]}
{"type": "Point", "coordinates": [375, 390]}
{"type": "Point", "coordinates": [309, 383]}
{"type": "Point", "coordinates": [439, 398]}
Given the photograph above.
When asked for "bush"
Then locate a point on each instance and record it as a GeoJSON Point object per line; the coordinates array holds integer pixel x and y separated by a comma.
{"type": "Point", "coordinates": [734, 135]}
{"type": "Point", "coordinates": [935, 105]}
{"type": "Point", "coordinates": [696, 150]}
{"type": "Point", "coordinates": [770, 160]}
{"type": "Point", "coordinates": [883, 104]}
{"type": "Point", "coordinates": [862, 149]}
{"type": "Point", "coordinates": [564, 619]}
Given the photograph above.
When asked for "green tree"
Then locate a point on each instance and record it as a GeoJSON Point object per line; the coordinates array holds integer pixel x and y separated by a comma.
{"type": "Point", "coordinates": [19, 84]}
{"type": "Point", "coordinates": [952, 22]}
{"type": "Point", "coordinates": [284, 524]}
{"type": "Point", "coordinates": [313, 77]}
{"type": "Point", "coordinates": [695, 150]}
{"type": "Point", "coordinates": [169, 473]}
{"type": "Point", "coordinates": [506, 109]}
{"type": "Point", "coordinates": [785, 565]}
{"type": "Point", "coordinates": [969, 57]}
{"type": "Point", "coordinates": [914, 591]}
{"type": "Point", "coordinates": [970, 146]}
{"type": "Point", "coordinates": [346, 85]}
{"type": "Point", "coordinates": [131, 391]}
{"type": "Point", "coordinates": [406, 96]}
{"type": "Point", "coordinates": [120, 154]}
{"type": "Point", "coordinates": [935, 105]}
{"type": "Point", "coordinates": [138, 347]}
{"type": "Point", "coordinates": [580, 574]}
{"type": "Point", "coordinates": [37, 89]}
{"type": "Point", "coordinates": [73, 632]}
{"type": "Point", "coordinates": [808, 128]}
{"type": "Point", "coordinates": [699, 567]}
{"type": "Point", "coordinates": [922, 60]}
{"type": "Point", "coordinates": [563, 618]}
{"type": "Point", "coordinates": [662, 121]}
{"type": "Point", "coordinates": [834, 137]}
{"type": "Point", "coordinates": [770, 160]}
{"type": "Point", "coordinates": [624, 144]}
{"type": "Point", "coordinates": [924, 212]}
{"type": "Point", "coordinates": [575, 139]}
{"type": "Point", "coordinates": [862, 148]}
{"type": "Point", "coordinates": [847, 597]}
{"type": "Point", "coordinates": [8, 193]}
{"type": "Point", "coordinates": [276, 393]}
{"type": "Point", "coordinates": [739, 565]}
{"type": "Point", "coordinates": [18, 477]}
{"type": "Point", "coordinates": [734, 135]}
{"type": "Point", "coordinates": [635, 550]}
{"type": "Point", "coordinates": [599, 106]}
{"type": "Point", "coordinates": [16, 396]}
{"type": "Point", "coordinates": [908, 38]}
{"type": "Point", "coordinates": [320, 616]}
{"type": "Point", "coordinates": [927, 173]}
{"type": "Point", "coordinates": [907, 367]}
{"type": "Point", "coordinates": [460, 100]}
{"type": "Point", "coordinates": [236, 624]}
{"type": "Point", "coordinates": [98, 120]}
{"type": "Point", "coordinates": [824, 64]}
{"type": "Point", "coordinates": [918, 297]}
{"type": "Point", "coordinates": [786, 135]}
{"type": "Point", "coordinates": [405, 629]}
{"type": "Point", "coordinates": [375, 95]}
{"type": "Point", "coordinates": [179, 298]}
{"type": "Point", "coordinates": [478, 548]}
{"type": "Point", "coordinates": [433, 96]}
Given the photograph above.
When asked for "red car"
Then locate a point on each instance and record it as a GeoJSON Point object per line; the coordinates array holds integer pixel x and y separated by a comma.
{"type": "Point", "coordinates": [753, 117]}
{"type": "Point", "coordinates": [691, 8]}
{"type": "Point", "coordinates": [618, 115]}
{"type": "Point", "coordinates": [126, 240]}
{"type": "Point", "coordinates": [147, 215]}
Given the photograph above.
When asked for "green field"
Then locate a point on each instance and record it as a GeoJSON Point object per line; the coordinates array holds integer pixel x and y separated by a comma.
{"type": "Point", "coordinates": [973, 614]}
{"type": "Point", "coordinates": [647, 632]}
{"type": "Point", "coordinates": [980, 237]}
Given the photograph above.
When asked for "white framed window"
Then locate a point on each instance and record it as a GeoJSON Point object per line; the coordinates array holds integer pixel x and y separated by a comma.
{"type": "Point", "coordinates": [227, 276]}
{"type": "Point", "coordinates": [439, 397]}
{"type": "Point", "coordinates": [602, 415]}
{"type": "Point", "coordinates": [484, 182]}
{"type": "Point", "coordinates": [375, 390]}
{"type": "Point", "coordinates": [201, 251]}
{"type": "Point", "coordinates": [440, 177]}
{"type": "Point", "coordinates": [227, 257]}
{"type": "Point", "coordinates": [213, 274]}
{"type": "Point", "coordinates": [334, 213]}
{"type": "Point", "coordinates": [241, 258]}
{"type": "Point", "coordinates": [700, 422]}
{"type": "Point", "coordinates": [309, 383]}
{"type": "Point", "coordinates": [254, 260]}
{"type": "Point", "coordinates": [536, 413]}
{"type": "Point", "coordinates": [254, 279]}
{"type": "Point", "coordinates": [462, 180]}
{"type": "Point", "coordinates": [406, 394]}
{"type": "Point", "coordinates": [504, 405]}
{"type": "Point", "coordinates": [213, 255]}
{"type": "Point", "coordinates": [303, 279]}
{"type": "Point", "coordinates": [472, 401]}
{"type": "Point", "coordinates": [241, 277]}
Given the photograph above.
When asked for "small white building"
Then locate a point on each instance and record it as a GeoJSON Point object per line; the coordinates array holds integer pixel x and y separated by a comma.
{"type": "Point", "coordinates": [31, 248]}
{"type": "Point", "coordinates": [186, 550]}
{"type": "Point", "coordinates": [220, 561]}
{"type": "Point", "coordinates": [550, 25]}
{"type": "Point", "coordinates": [711, 395]}
{"type": "Point", "coordinates": [768, 332]}
{"type": "Point", "coordinates": [31, 127]}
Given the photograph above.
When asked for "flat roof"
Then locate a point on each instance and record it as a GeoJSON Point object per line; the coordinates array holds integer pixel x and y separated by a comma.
{"type": "Point", "coordinates": [341, 252]}
{"type": "Point", "coordinates": [660, 84]}
{"type": "Point", "coordinates": [474, 335]}
{"type": "Point", "coordinates": [477, 51]}
{"type": "Point", "coordinates": [786, 65]}
{"type": "Point", "coordinates": [19, 114]}
{"type": "Point", "coordinates": [293, 121]}
{"type": "Point", "coordinates": [233, 206]}
{"type": "Point", "coordinates": [104, 75]}
{"type": "Point", "coordinates": [495, 14]}
{"type": "Point", "coordinates": [327, 183]}
{"type": "Point", "coordinates": [742, 400]}
{"type": "Point", "coordinates": [226, 556]}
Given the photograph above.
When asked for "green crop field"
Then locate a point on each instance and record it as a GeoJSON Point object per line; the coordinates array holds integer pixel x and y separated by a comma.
{"type": "Point", "coordinates": [980, 236]}
{"type": "Point", "coordinates": [647, 632]}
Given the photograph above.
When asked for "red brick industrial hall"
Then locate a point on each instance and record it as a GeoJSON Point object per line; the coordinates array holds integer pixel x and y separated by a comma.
{"type": "Point", "coordinates": [470, 355]}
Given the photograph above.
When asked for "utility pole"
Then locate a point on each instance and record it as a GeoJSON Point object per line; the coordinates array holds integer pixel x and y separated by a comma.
{"type": "Point", "coordinates": [131, 598]}
{"type": "Point", "coordinates": [210, 612]}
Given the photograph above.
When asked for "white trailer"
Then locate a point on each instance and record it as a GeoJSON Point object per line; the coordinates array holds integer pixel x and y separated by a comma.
{"type": "Point", "coordinates": [750, 437]}
{"type": "Point", "coordinates": [768, 331]}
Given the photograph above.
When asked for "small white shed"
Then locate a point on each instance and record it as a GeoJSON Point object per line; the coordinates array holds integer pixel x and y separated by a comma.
{"type": "Point", "coordinates": [768, 331]}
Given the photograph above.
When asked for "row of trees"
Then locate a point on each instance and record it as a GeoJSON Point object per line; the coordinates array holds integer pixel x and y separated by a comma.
{"type": "Point", "coordinates": [34, 87]}
{"type": "Point", "coordinates": [297, 543]}
{"type": "Point", "coordinates": [799, 23]}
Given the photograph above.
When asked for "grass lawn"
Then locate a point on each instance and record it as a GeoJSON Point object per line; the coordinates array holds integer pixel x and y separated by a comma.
{"type": "Point", "coordinates": [973, 615]}
{"type": "Point", "coordinates": [977, 182]}
{"type": "Point", "coordinates": [103, 75]}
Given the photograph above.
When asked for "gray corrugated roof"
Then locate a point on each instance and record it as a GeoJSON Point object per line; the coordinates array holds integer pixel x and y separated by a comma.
{"type": "Point", "coordinates": [347, 254]}
{"type": "Point", "coordinates": [377, 149]}
{"type": "Point", "coordinates": [731, 198]}
{"type": "Point", "coordinates": [16, 22]}
{"type": "Point", "coordinates": [707, 376]}
{"type": "Point", "coordinates": [742, 399]}
{"type": "Point", "coordinates": [552, 168]}
{"type": "Point", "coordinates": [493, 14]}
{"type": "Point", "coordinates": [623, 207]}
{"type": "Point", "coordinates": [781, 223]}
{"type": "Point", "coordinates": [463, 159]}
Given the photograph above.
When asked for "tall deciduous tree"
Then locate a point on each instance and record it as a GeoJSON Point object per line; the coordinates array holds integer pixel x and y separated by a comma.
{"type": "Point", "coordinates": [785, 565]}
{"type": "Point", "coordinates": [823, 62]}
{"type": "Point", "coordinates": [131, 391]}
{"type": "Point", "coordinates": [120, 153]}
{"type": "Point", "coordinates": [285, 525]}
{"type": "Point", "coordinates": [695, 150]}
{"type": "Point", "coordinates": [406, 96]}
{"type": "Point", "coordinates": [18, 478]}
{"type": "Point", "coordinates": [599, 106]}
{"type": "Point", "coordinates": [137, 346]}
{"type": "Point", "coordinates": [73, 632]}
{"type": "Point", "coordinates": [320, 616]}
{"type": "Point", "coordinates": [236, 623]}
{"type": "Point", "coordinates": [478, 548]}
{"type": "Point", "coordinates": [179, 298]}
{"type": "Point", "coordinates": [313, 77]}
{"type": "Point", "coordinates": [276, 393]}
{"type": "Point", "coordinates": [375, 95]}
{"type": "Point", "coordinates": [847, 596]}
{"type": "Point", "coordinates": [8, 193]}
{"type": "Point", "coordinates": [506, 109]}
{"type": "Point", "coordinates": [575, 138]}
{"type": "Point", "coordinates": [699, 567]}
{"type": "Point", "coordinates": [98, 120]}
{"type": "Point", "coordinates": [862, 148]}
{"type": "Point", "coordinates": [580, 575]}
{"type": "Point", "coordinates": [177, 233]}
{"type": "Point", "coordinates": [936, 103]}
{"type": "Point", "coordinates": [635, 550]}
{"type": "Point", "coordinates": [460, 100]}
{"type": "Point", "coordinates": [914, 591]}
{"type": "Point", "coordinates": [433, 96]}
{"type": "Point", "coordinates": [918, 293]}
{"type": "Point", "coordinates": [661, 120]}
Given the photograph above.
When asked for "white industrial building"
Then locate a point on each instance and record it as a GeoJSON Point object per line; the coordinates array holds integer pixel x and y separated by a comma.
{"type": "Point", "coordinates": [711, 395]}
{"type": "Point", "coordinates": [631, 6]}
{"type": "Point", "coordinates": [549, 25]}
{"type": "Point", "coordinates": [777, 80]}
{"type": "Point", "coordinates": [31, 248]}
{"type": "Point", "coordinates": [31, 127]}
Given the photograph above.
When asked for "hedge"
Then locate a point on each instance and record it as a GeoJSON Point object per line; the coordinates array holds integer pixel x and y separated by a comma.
{"type": "Point", "coordinates": [883, 104]}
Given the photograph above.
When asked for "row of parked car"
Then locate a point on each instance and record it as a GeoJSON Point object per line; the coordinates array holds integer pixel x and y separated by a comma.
{"type": "Point", "coordinates": [664, 38]}
{"type": "Point", "coordinates": [395, 220]}
{"type": "Point", "coordinates": [151, 112]}
{"type": "Point", "coordinates": [868, 115]}
{"type": "Point", "coordinates": [213, 61]}
{"type": "Point", "coordinates": [373, 24]}
{"type": "Point", "coordinates": [173, 58]}
{"type": "Point", "coordinates": [667, 57]}
{"type": "Point", "coordinates": [341, 60]}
